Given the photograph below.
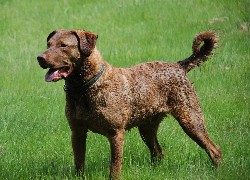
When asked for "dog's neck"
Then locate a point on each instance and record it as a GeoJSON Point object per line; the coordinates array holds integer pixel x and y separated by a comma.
{"type": "Point", "coordinates": [87, 72]}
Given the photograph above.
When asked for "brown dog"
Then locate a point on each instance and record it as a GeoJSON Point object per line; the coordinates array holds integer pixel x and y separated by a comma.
{"type": "Point", "coordinates": [109, 100]}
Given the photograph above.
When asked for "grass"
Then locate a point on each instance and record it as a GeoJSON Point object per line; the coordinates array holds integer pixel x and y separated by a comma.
{"type": "Point", "coordinates": [34, 134]}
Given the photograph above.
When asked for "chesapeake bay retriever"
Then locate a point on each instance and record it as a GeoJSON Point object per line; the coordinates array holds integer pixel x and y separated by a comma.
{"type": "Point", "coordinates": [110, 100]}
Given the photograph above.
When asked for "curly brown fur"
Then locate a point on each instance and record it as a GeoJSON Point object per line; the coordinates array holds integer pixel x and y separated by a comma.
{"type": "Point", "coordinates": [123, 98]}
{"type": "Point", "coordinates": [200, 54]}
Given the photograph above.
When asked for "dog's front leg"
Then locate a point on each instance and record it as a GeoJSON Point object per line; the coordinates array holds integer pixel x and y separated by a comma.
{"type": "Point", "coordinates": [79, 137]}
{"type": "Point", "coordinates": [116, 145]}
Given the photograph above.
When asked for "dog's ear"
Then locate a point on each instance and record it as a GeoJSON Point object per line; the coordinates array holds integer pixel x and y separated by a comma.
{"type": "Point", "coordinates": [86, 41]}
{"type": "Point", "coordinates": [50, 35]}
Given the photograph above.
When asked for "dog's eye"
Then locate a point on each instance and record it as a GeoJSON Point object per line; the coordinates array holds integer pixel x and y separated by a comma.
{"type": "Point", "coordinates": [63, 45]}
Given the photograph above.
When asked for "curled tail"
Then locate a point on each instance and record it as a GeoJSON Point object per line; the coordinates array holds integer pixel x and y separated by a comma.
{"type": "Point", "coordinates": [200, 54]}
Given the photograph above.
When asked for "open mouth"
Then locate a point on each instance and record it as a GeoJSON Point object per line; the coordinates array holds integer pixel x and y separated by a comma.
{"type": "Point", "coordinates": [54, 75]}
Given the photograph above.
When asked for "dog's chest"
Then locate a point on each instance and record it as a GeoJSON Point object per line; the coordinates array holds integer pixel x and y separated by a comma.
{"type": "Point", "coordinates": [77, 110]}
{"type": "Point", "coordinates": [81, 113]}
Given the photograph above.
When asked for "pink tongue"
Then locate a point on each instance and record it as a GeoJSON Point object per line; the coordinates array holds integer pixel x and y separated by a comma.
{"type": "Point", "coordinates": [53, 75]}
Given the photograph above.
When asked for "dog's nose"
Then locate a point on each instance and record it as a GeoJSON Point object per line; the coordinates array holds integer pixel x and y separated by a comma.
{"type": "Point", "coordinates": [40, 59]}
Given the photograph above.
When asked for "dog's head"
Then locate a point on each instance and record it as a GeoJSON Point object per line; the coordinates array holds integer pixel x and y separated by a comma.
{"type": "Point", "coordinates": [65, 49]}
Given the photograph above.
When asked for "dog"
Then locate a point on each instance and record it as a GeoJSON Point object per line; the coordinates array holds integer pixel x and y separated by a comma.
{"type": "Point", "coordinates": [110, 100]}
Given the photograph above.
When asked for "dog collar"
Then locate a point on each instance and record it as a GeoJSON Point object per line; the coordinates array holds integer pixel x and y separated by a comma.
{"type": "Point", "coordinates": [87, 84]}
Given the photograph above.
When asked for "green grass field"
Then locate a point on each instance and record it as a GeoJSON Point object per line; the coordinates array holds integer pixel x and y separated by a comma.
{"type": "Point", "coordinates": [34, 134]}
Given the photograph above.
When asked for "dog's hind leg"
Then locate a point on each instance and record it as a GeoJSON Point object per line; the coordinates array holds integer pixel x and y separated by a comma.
{"type": "Point", "coordinates": [148, 132]}
{"type": "Point", "coordinates": [187, 111]}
